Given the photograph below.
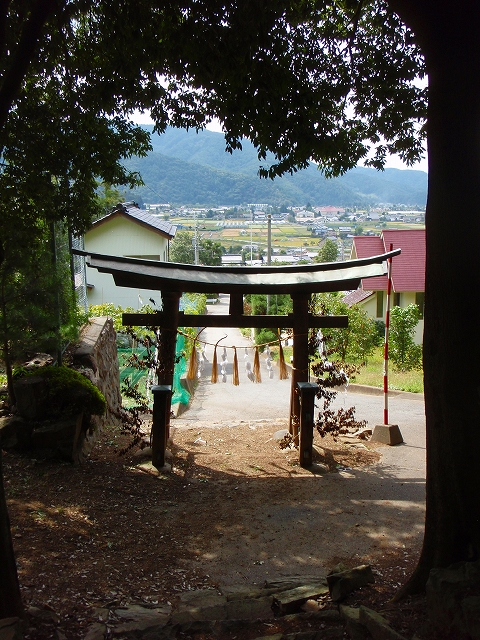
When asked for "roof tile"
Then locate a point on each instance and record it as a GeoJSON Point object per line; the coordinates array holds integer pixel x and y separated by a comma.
{"type": "Point", "coordinates": [408, 269]}
{"type": "Point", "coordinates": [133, 211]}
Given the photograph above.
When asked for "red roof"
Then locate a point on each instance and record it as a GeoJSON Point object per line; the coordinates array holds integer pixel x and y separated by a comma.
{"type": "Point", "coordinates": [354, 297]}
{"type": "Point", "coordinates": [408, 269]}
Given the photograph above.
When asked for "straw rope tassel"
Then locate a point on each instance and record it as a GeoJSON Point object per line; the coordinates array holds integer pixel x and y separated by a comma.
{"type": "Point", "coordinates": [256, 366]}
{"type": "Point", "coordinates": [235, 378]}
{"type": "Point", "coordinates": [193, 364]}
{"type": "Point", "coordinates": [214, 377]}
{"type": "Point", "coordinates": [282, 367]}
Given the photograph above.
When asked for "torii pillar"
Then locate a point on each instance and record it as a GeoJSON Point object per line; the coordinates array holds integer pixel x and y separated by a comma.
{"type": "Point", "coordinates": [167, 344]}
{"type": "Point", "coordinates": [300, 356]}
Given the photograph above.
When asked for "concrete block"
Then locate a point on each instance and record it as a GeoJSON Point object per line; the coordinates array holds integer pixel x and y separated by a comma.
{"type": "Point", "coordinates": [387, 434]}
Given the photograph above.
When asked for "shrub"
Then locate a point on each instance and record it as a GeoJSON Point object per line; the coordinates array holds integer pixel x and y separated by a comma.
{"type": "Point", "coordinates": [354, 343]}
{"type": "Point", "coordinates": [265, 335]}
{"type": "Point", "coordinates": [404, 353]}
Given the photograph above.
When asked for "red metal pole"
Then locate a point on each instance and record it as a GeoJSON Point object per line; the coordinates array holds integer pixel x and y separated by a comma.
{"type": "Point", "coordinates": [387, 327]}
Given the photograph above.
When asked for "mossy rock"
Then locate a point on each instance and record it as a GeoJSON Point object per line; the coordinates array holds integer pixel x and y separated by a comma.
{"type": "Point", "coordinates": [64, 391]}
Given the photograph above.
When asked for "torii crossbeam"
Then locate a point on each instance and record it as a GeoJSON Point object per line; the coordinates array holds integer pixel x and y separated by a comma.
{"type": "Point", "coordinates": [172, 279]}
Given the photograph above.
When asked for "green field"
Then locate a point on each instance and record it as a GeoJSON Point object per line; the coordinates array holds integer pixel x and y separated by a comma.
{"type": "Point", "coordinates": [284, 236]}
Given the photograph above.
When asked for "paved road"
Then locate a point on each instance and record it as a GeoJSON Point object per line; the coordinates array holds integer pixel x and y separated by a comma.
{"type": "Point", "coordinates": [223, 402]}
{"type": "Point", "coordinates": [407, 410]}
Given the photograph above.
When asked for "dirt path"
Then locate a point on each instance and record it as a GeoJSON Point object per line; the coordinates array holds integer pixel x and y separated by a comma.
{"type": "Point", "coordinates": [284, 520]}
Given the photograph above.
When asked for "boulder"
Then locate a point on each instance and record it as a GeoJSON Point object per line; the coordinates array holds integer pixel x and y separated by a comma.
{"type": "Point", "coordinates": [31, 398]}
{"type": "Point", "coordinates": [453, 600]}
{"type": "Point", "coordinates": [37, 361]}
{"type": "Point", "coordinates": [343, 583]}
{"type": "Point", "coordinates": [15, 433]}
{"type": "Point", "coordinates": [377, 625]}
{"type": "Point", "coordinates": [61, 438]}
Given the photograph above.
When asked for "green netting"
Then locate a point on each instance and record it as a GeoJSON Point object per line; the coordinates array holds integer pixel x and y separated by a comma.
{"type": "Point", "coordinates": [139, 376]}
{"type": "Point", "coordinates": [179, 393]}
{"type": "Point", "coordinates": [127, 371]}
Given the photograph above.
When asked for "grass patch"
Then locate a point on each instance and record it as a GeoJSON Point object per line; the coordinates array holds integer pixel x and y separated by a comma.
{"type": "Point", "coordinates": [372, 374]}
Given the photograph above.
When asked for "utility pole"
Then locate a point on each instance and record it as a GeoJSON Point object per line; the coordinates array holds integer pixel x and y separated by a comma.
{"type": "Point", "coordinates": [196, 239]}
{"type": "Point", "coordinates": [251, 239]}
{"type": "Point", "coordinates": [269, 252]}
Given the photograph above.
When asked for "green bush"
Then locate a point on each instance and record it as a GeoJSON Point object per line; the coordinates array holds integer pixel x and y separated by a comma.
{"type": "Point", "coordinates": [380, 332]}
{"type": "Point", "coordinates": [354, 343]}
{"type": "Point", "coordinates": [264, 336]}
{"type": "Point", "coordinates": [404, 353]}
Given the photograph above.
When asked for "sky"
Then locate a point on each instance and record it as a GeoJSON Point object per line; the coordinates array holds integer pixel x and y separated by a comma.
{"type": "Point", "coordinates": [393, 162]}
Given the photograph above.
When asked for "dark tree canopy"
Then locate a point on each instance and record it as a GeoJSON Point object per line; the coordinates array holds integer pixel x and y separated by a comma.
{"type": "Point", "coordinates": [309, 79]}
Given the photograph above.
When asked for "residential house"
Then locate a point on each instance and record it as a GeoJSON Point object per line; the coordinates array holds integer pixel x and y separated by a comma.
{"type": "Point", "coordinates": [231, 260]}
{"type": "Point", "coordinates": [408, 273]}
{"type": "Point", "coordinates": [130, 232]}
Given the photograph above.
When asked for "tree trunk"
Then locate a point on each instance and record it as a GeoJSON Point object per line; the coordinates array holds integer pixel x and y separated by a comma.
{"type": "Point", "coordinates": [10, 598]}
{"type": "Point", "coordinates": [448, 35]}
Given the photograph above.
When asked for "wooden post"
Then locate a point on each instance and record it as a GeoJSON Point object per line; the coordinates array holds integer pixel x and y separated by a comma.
{"type": "Point", "coordinates": [307, 392]}
{"type": "Point", "coordinates": [162, 395]}
{"type": "Point", "coordinates": [300, 356]}
{"type": "Point", "coordinates": [236, 304]}
{"type": "Point", "coordinates": [167, 344]}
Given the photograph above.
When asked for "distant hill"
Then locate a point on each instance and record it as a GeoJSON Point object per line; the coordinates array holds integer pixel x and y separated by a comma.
{"type": "Point", "coordinates": [190, 168]}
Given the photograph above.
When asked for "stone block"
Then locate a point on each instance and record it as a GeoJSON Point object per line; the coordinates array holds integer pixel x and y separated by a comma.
{"type": "Point", "coordinates": [292, 600]}
{"type": "Point", "coordinates": [195, 606]}
{"type": "Point", "coordinates": [387, 434]}
{"type": "Point", "coordinates": [351, 620]}
{"type": "Point", "coordinates": [343, 583]}
{"type": "Point", "coordinates": [11, 629]}
{"type": "Point", "coordinates": [15, 433]}
{"type": "Point", "coordinates": [136, 621]}
{"type": "Point", "coordinates": [250, 608]}
{"type": "Point", "coordinates": [62, 437]}
{"type": "Point", "coordinates": [378, 626]}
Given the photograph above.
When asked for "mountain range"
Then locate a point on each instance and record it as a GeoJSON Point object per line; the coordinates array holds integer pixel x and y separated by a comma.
{"type": "Point", "coordinates": [190, 168]}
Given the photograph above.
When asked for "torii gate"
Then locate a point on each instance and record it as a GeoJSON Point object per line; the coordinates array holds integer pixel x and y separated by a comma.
{"type": "Point", "coordinates": [172, 279]}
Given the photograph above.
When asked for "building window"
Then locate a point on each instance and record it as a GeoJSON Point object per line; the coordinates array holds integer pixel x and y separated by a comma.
{"type": "Point", "coordinates": [420, 301]}
{"type": "Point", "coordinates": [379, 304]}
{"type": "Point", "coordinates": [396, 299]}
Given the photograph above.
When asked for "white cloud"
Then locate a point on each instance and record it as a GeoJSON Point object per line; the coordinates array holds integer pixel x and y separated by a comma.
{"type": "Point", "coordinates": [394, 162]}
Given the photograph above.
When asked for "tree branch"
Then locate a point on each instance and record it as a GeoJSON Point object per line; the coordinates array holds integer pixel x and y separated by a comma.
{"type": "Point", "coordinates": [3, 22]}
{"type": "Point", "coordinates": [22, 56]}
